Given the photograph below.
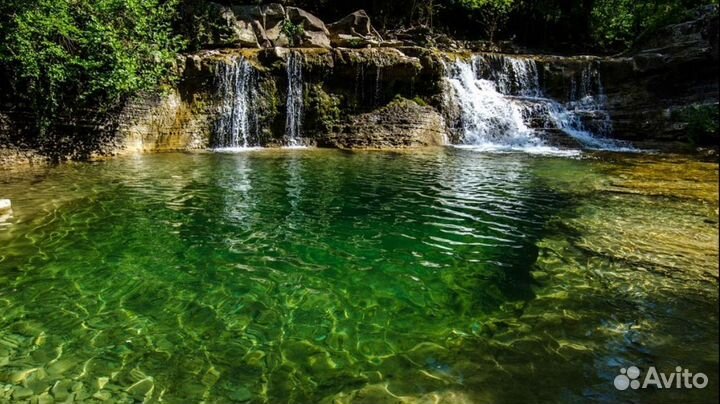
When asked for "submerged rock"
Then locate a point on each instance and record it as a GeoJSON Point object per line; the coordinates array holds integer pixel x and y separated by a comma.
{"type": "Point", "coordinates": [21, 393]}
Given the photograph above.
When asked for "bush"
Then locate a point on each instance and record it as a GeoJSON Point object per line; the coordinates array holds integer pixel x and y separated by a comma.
{"type": "Point", "coordinates": [293, 32]}
{"type": "Point", "coordinates": [617, 23]}
{"type": "Point", "coordinates": [702, 124]}
{"type": "Point", "coordinates": [73, 54]}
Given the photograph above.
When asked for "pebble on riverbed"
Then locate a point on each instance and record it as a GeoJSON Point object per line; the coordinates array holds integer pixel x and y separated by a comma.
{"type": "Point", "coordinates": [5, 209]}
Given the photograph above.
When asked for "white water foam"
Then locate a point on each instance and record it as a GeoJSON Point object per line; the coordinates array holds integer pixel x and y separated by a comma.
{"type": "Point", "coordinates": [237, 126]}
{"type": "Point", "coordinates": [294, 114]}
{"type": "Point", "coordinates": [499, 96]}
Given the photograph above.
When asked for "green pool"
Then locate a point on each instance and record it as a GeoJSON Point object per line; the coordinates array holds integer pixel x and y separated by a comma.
{"type": "Point", "coordinates": [315, 276]}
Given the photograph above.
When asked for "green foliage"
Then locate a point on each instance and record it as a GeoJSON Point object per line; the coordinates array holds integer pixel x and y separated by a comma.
{"type": "Point", "coordinates": [293, 32]}
{"type": "Point", "coordinates": [619, 22]}
{"type": "Point", "coordinates": [71, 54]}
{"type": "Point", "coordinates": [420, 101]}
{"type": "Point", "coordinates": [702, 124]}
{"type": "Point", "coordinates": [493, 14]}
{"type": "Point", "coordinates": [323, 108]}
{"type": "Point", "coordinates": [478, 4]}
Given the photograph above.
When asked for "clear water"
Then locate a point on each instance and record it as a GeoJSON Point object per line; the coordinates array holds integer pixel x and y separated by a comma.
{"type": "Point", "coordinates": [305, 276]}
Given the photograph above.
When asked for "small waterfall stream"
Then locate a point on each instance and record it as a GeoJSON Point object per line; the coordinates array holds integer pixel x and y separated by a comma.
{"type": "Point", "coordinates": [487, 116]}
{"type": "Point", "coordinates": [293, 122]}
{"type": "Point", "coordinates": [237, 85]}
{"type": "Point", "coordinates": [503, 106]}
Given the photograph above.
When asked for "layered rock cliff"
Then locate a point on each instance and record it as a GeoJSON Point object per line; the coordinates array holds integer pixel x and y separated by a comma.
{"type": "Point", "coordinates": [342, 85]}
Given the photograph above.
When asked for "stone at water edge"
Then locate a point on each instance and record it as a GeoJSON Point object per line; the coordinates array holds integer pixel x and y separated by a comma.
{"type": "Point", "coordinates": [5, 205]}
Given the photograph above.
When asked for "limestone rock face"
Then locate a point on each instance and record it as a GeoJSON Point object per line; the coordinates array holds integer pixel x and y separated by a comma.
{"type": "Point", "coordinates": [400, 124]}
{"type": "Point", "coordinates": [650, 88]}
{"type": "Point", "coordinates": [162, 123]}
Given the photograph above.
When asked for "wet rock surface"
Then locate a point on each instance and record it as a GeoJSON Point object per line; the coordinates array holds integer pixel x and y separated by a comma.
{"type": "Point", "coordinates": [402, 123]}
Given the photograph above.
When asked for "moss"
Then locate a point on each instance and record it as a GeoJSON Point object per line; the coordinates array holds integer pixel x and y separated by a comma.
{"type": "Point", "coordinates": [355, 42]}
{"type": "Point", "coordinates": [322, 109]}
{"type": "Point", "coordinates": [293, 32]}
{"type": "Point", "coordinates": [400, 100]}
{"type": "Point", "coordinates": [420, 101]}
{"type": "Point", "coordinates": [268, 105]}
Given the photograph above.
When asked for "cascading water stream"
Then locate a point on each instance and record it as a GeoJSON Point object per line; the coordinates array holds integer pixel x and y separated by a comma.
{"type": "Point", "coordinates": [502, 105]}
{"type": "Point", "coordinates": [293, 122]}
{"type": "Point", "coordinates": [237, 125]}
{"type": "Point", "coordinates": [487, 116]}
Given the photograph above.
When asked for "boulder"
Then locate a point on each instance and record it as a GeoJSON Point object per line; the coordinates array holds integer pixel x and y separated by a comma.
{"type": "Point", "coordinates": [244, 34]}
{"type": "Point", "coordinates": [266, 21]}
{"type": "Point", "coordinates": [273, 15]}
{"type": "Point", "coordinates": [305, 20]}
{"type": "Point", "coordinates": [312, 33]}
{"type": "Point", "coordinates": [262, 37]}
{"type": "Point", "coordinates": [357, 23]}
{"type": "Point", "coordinates": [247, 13]}
{"type": "Point", "coordinates": [349, 41]}
{"type": "Point", "coordinates": [354, 31]}
{"type": "Point", "coordinates": [229, 30]}
{"type": "Point", "coordinates": [315, 39]}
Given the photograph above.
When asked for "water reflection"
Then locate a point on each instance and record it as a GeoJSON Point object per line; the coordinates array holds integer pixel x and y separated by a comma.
{"type": "Point", "coordinates": [306, 275]}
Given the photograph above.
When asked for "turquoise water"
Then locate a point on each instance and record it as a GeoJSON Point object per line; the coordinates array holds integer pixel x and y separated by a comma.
{"type": "Point", "coordinates": [307, 276]}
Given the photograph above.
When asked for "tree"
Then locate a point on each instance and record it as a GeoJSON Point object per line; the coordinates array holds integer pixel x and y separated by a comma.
{"type": "Point", "coordinates": [78, 53]}
{"type": "Point", "coordinates": [493, 13]}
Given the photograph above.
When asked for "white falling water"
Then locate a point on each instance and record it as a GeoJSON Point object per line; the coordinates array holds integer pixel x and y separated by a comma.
{"type": "Point", "coordinates": [237, 124]}
{"type": "Point", "coordinates": [294, 114]}
{"type": "Point", "coordinates": [502, 105]}
{"type": "Point", "coordinates": [487, 116]}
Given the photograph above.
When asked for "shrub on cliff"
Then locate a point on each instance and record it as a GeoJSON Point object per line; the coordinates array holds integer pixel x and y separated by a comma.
{"type": "Point", "coordinates": [617, 23]}
{"type": "Point", "coordinates": [702, 124]}
{"type": "Point", "coordinates": [60, 56]}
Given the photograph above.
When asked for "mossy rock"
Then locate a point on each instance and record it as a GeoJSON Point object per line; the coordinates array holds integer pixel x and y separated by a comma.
{"type": "Point", "coordinates": [322, 109]}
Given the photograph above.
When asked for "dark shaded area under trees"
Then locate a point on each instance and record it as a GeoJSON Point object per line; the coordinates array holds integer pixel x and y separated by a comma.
{"type": "Point", "coordinates": [564, 26]}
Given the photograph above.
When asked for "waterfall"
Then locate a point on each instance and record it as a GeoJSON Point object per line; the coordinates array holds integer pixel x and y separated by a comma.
{"type": "Point", "coordinates": [503, 106]}
{"type": "Point", "coordinates": [378, 88]}
{"type": "Point", "coordinates": [293, 121]}
{"type": "Point", "coordinates": [486, 115]}
{"type": "Point", "coordinates": [237, 126]}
